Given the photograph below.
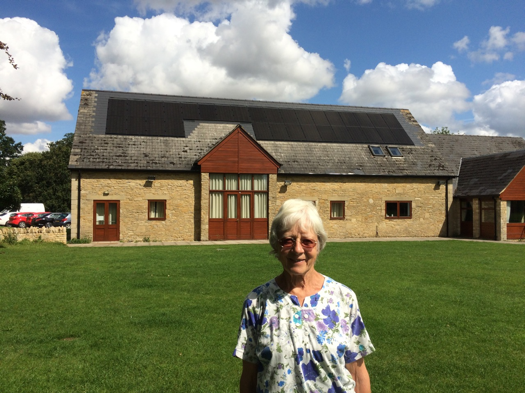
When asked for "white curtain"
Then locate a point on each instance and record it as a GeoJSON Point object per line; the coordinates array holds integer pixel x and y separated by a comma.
{"type": "Point", "coordinates": [246, 182]}
{"type": "Point", "coordinates": [245, 206]}
{"type": "Point", "coordinates": [216, 204]}
{"type": "Point", "coordinates": [337, 210]}
{"type": "Point", "coordinates": [156, 209]}
{"type": "Point", "coordinates": [508, 210]}
{"type": "Point", "coordinates": [232, 206]}
{"type": "Point", "coordinates": [216, 181]}
{"type": "Point", "coordinates": [260, 205]}
{"type": "Point", "coordinates": [100, 214]}
{"type": "Point", "coordinates": [260, 182]}
{"type": "Point", "coordinates": [231, 182]}
{"type": "Point", "coordinates": [112, 214]}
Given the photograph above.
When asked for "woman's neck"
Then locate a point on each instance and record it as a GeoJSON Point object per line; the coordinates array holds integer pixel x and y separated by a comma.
{"type": "Point", "coordinates": [300, 286]}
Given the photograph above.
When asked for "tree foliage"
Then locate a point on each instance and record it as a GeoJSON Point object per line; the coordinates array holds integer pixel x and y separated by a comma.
{"type": "Point", "coordinates": [10, 195]}
{"type": "Point", "coordinates": [5, 48]}
{"type": "Point", "coordinates": [442, 131]}
{"type": "Point", "coordinates": [44, 177]}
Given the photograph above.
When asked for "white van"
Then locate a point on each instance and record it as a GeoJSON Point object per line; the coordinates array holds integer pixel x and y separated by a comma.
{"type": "Point", "coordinates": [24, 207]}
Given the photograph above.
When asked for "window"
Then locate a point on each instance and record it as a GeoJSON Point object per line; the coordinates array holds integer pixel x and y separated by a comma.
{"type": "Point", "coordinates": [156, 210]}
{"type": "Point", "coordinates": [515, 211]}
{"type": "Point", "coordinates": [394, 151]}
{"type": "Point", "coordinates": [376, 150]}
{"type": "Point", "coordinates": [398, 209]}
{"type": "Point", "coordinates": [487, 210]}
{"type": "Point", "coordinates": [253, 190]}
{"type": "Point", "coordinates": [337, 210]}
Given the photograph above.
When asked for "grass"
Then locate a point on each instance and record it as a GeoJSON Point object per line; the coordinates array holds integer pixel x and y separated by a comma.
{"type": "Point", "coordinates": [444, 316]}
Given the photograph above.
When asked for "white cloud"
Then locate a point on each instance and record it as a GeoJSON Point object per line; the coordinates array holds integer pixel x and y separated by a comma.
{"type": "Point", "coordinates": [462, 44]}
{"type": "Point", "coordinates": [421, 4]}
{"type": "Point", "coordinates": [499, 77]}
{"type": "Point", "coordinates": [38, 146]}
{"type": "Point", "coordinates": [31, 128]}
{"type": "Point", "coordinates": [251, 55]}
{"type": "Point", "coordinates": [500, 109]}
{"type": "Point", "coordinates": [498, 45]}
{"type": "Point", "coordinates": [347, 65]}
{"type": "Point", "coordinates": [433, 95]}
{"type": "Point", "coordinates": [40, 82]}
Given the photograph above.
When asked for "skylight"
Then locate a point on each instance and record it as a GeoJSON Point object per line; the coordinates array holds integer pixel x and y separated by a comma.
{"type": "Point", "coordinates": [376, 150]}
{"type": "Point", "coordinates": [394, 151]}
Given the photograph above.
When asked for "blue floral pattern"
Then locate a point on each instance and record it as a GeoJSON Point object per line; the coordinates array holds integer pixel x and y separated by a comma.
{"type": "Point", "coordinates": [302, 349]}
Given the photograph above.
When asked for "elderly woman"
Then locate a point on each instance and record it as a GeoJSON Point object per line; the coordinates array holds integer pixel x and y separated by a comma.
{"type": "Point", "coordinates": [302, 331]}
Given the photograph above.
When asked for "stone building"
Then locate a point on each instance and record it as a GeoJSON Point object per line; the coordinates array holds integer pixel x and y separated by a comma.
{"type": "Point", "coordinates": [165, 168]}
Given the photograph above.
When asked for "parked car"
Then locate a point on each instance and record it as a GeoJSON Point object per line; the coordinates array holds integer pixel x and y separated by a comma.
{"type": "Point", "coordinates": [37, 219]}
{"type": "Point", "coordinates": [64, 220]}
{"type": "Point", "coordinates": [20, 220]}
{"type": "Point", "coordinates": [24, 208]}
{"type": "Point", "coordinates": [47, 220]}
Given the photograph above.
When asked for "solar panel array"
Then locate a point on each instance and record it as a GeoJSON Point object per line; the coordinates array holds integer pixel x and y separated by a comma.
{"type": "Point", "coordinates": [166, 119]}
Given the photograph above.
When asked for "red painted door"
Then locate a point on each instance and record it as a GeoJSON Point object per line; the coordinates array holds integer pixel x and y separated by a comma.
{"type": "Point", "coordinates": [106, 221]}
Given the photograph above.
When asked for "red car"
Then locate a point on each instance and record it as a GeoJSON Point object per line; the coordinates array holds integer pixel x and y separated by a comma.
{"type": "Point", "coordinates": [20, 220]}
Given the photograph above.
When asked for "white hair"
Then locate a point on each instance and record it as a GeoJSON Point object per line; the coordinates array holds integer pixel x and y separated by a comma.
{"type": "Point", "coordinates": [297, 212]}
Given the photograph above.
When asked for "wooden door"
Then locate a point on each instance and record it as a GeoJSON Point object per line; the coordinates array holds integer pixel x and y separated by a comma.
{"type": "Point", "coordinates": [487, 219]}
{"type": "Point", "coordinates": [106, 221]}
{"type": "Point", "coordinates": [231, 215]}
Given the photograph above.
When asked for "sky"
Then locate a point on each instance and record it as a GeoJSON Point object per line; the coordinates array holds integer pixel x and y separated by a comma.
{"type": "Point", "coordinates": [453, 63]}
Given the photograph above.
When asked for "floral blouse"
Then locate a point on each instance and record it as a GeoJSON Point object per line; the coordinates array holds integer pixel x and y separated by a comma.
{"type": "Point", "coordinates": [302, 349]}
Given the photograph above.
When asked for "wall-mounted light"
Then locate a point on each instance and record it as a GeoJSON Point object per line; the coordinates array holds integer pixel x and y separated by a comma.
{"type": "Point", "coordinates": [287, 182]}
{"type": "Point", "coordinates": [151, 178]}
{"type": "Point", "coordinates": [105, 193]}
{"type": "Point", "coordinates": [440, 183]}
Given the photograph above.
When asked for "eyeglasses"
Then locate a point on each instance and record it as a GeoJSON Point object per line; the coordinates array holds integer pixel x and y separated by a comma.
{"type": "Point", "coordinates": [288, 243]}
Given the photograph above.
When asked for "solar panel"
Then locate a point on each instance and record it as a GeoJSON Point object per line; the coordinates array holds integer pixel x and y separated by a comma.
{"type": "Point", "coordinates": [334, 119]}
{"type": "Point", "coordinates": [262, 131]}
{"type": "Point", "coordinates": [363, 119]}
{"type": "Point", "coordinates": [295, 132]}
{"type": "Point", "coordinates": [349, 119]}
{"type": "Point", "coordinates": [257, 115]}
{"type": "Point", "coordinates": [273, 116]}
{"type": "Point", "coordinates": [319, 118]}
{"type": "Point", "coordinates": [391, 120]}
{"type": "Point", "coordinates": [311, 133]}
{"type": "Point", "coordinates": [304, 117]}
{"type": "Point", "coordinates": [377, 120]}
{"type": "Point", "coordinates": [157, 118]}
{"type": "Point", "coordinates": [288, 116]}
{"type": "Point", "coordinates": [207, 112]}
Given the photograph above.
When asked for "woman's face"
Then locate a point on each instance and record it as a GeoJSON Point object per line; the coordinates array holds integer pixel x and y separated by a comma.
{"type": "Point", "coordinates": [297, 260]}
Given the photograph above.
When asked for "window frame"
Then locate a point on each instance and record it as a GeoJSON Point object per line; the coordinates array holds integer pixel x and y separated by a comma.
{"type": "Point", "coordinates": [392, 150]}
{"type": "Point", "coordinates": [375, 153]}
{"type": "Point", "coordinates": [344, 210]}
{"type": "Point", "coordinates": [398, 216]}
{"type": "Point", "coordinates": [164, 210]}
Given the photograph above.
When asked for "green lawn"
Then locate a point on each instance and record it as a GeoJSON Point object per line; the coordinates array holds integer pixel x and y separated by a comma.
{"type": "Point", "coordinates": [445, 316]}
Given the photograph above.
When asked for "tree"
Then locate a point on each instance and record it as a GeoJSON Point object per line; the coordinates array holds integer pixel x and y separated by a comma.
{"type": "Point", "coordinates": [45, 177]}
{"type": "Point", "coordinates": [442, 131]}
{"type": "Point", "coordinates": [56, 193]}
{"type": "Point", "coordinates": [10, 195]}
{"type": "Point", "coordinates": [5, 48]}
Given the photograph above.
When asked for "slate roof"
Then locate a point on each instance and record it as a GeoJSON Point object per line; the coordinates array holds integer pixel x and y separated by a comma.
{"type": "Point", "coordinates": [489, 175]}
{"type": "Point", "coordinates": [455, 147]}
{"type": "Point", "coordinates": [115, 132]}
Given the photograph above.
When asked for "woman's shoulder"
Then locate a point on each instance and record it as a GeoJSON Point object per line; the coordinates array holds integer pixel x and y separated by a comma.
{"type": "Point", "coordinates": [263, 291]}
{"type": "Point", "coordinates": [335, 287]}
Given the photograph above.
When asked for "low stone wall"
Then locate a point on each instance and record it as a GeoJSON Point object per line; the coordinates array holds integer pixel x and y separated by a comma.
{"type": "Point", "coordinates": [56, 235]}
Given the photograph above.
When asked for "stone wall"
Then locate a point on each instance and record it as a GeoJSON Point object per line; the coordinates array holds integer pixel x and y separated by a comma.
{"type": "Point", "coordinates": [181, 191]}
{"type": "Point", "coordinates": [53, 235]}
{"type": "Point", "coordinates": [365, 204]}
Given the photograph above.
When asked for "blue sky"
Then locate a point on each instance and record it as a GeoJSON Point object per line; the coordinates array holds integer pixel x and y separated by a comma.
{"type": "Point", "coordinates": [454, 63]}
